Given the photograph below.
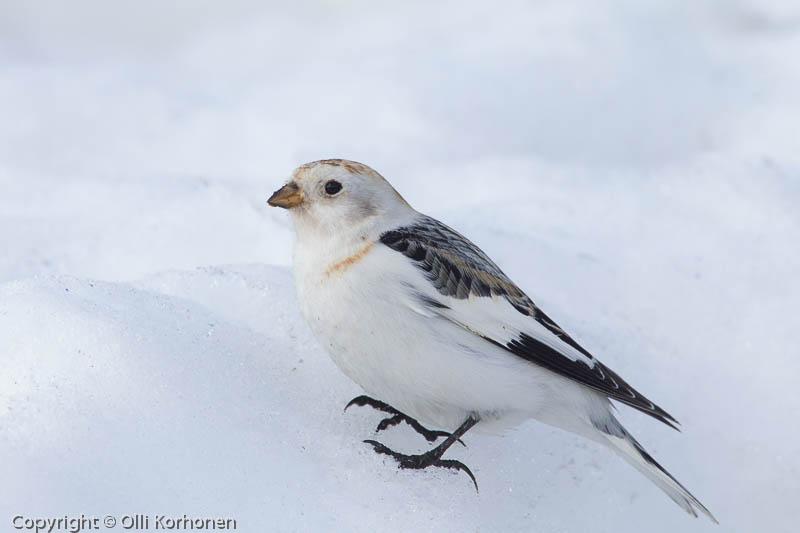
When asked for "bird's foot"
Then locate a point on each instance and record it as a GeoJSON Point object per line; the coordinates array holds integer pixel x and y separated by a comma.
{"type": "Point", "coordinates": [430, 434]}
{"type": "Point", "coordinates": [397, 417]}
{"type": "Point", "coordinates": [419, 462]}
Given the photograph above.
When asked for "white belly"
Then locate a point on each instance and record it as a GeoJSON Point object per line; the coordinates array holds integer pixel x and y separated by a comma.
{"type": "Point", "coordinates": [422, 365]}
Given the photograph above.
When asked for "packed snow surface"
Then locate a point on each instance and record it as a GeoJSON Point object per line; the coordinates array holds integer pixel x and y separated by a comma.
{"type": "Point", "coordinates": [634, 166]}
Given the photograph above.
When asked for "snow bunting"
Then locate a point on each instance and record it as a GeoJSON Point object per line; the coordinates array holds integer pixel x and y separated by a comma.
{"type": "Point", "coordinates": [425, 322]}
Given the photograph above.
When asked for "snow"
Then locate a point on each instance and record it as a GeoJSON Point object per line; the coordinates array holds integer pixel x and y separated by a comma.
{"type": "Point", "coordinates": [634, 166]}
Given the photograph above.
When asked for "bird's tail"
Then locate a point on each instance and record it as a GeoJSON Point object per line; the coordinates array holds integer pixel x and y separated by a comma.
{"type": "Point", "coordinates": [633, 452]}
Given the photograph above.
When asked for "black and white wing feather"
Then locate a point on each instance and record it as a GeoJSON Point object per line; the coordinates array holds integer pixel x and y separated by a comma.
{"type": "Point", "coordinates": [462, 272]}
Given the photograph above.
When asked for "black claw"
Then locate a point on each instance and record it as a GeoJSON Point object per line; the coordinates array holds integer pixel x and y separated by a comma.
{"type": "Point", "coordinates": [457, 465]}
{"type": "Point", "coordinates": [419, 462]}
{"type": "Point", "coordinates": [380, 448]}
{"type": "Point", "coordinates": [366, 400]}
{"type": "Point", "coordinates": [397, 417]}
{"type": "Point", "coordinates": [429, 434]}
{"type": "Point", "coordinates": [389, 422]}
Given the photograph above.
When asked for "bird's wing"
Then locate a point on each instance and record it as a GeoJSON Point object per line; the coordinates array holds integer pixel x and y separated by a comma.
{"type": "Point", "coordinates": [472, 291]}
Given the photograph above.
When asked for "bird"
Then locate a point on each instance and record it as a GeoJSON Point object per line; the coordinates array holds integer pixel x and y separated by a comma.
{"type": "Point", "coordinates": [436, 334]}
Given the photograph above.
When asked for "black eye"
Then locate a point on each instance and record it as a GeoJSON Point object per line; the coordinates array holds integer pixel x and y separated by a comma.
{"type": "Point", "coordinates": [332, 187]}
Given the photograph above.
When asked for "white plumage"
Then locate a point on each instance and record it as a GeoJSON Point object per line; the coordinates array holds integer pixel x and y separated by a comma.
{"type": "Point", "coordinates": [424, 321]}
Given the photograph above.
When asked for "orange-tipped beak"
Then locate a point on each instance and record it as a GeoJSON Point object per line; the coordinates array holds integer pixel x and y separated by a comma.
{"type": "Point", "coordinates": [287, 196]}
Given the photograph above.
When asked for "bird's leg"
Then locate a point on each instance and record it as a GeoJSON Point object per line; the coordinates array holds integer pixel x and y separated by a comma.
{"type": "Point", "coordinates": [397, 417]}
{"type": "Point", "coordinates": [434, 456]}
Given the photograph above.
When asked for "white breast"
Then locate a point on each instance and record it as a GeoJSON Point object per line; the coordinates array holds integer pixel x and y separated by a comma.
{"type": "Point", "coordinates": [361, 308]}
{"type": "Point", "coordinates": [351, 305]}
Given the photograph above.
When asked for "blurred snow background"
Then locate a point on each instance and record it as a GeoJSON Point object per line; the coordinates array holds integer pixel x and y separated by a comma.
{"type": "Point", "coordinates": [633, 165]}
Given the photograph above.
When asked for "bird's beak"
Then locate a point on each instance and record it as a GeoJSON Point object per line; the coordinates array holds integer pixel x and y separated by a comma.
{"type": "Point", "coordinates": [287, 196]}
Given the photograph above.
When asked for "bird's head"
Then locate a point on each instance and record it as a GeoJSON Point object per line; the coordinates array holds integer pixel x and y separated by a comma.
{"type": "Point", "coordinates": [334, 194]}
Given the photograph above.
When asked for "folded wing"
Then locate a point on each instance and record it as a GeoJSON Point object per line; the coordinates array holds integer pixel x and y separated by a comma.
{"type": "Point", "coordinates": [472, 291]}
